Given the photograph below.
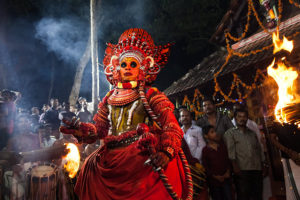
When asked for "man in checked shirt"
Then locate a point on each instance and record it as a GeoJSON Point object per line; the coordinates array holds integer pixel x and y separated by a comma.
{"type": "Point", "coordinates": [247, 158]}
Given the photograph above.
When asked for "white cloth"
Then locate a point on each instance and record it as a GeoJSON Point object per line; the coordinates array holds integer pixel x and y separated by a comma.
{"type": "Point", "coordinates": [295, 172]}
{"type": "Point", "coordinates": [48, 143]}
{"type": "Point", "coordinates": [195, 141]}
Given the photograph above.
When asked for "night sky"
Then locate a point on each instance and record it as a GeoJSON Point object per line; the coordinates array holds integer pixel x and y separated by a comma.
{"type": "Point", "coordinates": [41, 39]}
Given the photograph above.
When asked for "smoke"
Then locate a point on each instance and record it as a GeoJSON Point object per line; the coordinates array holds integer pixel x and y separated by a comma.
{"type": "Point", "coordinates": [66, 37]}
{"type": "Point", "coordinates": [54, 34]}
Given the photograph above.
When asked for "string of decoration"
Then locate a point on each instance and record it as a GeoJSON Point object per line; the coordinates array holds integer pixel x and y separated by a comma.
{"type": "Point", "coordinates": [237, 84]}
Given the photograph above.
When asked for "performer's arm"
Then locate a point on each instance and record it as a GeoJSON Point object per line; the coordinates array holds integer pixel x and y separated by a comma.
{"type": "Point", "coordinates": [88, 132]}
{"type": "Point", "coordinates": [171, 133]}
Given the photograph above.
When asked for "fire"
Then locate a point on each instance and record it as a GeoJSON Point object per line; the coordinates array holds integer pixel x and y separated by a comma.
{"type": "Point", "coordinates": [72, 160]}
{"type": "Point", "coordinates": [279, 44]}
{"type": "Point", "coordinates": [284, 77]}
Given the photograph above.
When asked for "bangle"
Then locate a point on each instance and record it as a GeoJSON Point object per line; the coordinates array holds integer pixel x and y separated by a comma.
{"type": "Point", "coordinates": [169, 151]}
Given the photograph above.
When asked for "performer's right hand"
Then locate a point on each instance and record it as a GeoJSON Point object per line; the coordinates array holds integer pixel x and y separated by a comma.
{"type": "Point", "coordinates": [160, 159]}
{"type": "Point", "coordinates": [84, 132]}
{"type": "Point", "coordinates": [72, 127]}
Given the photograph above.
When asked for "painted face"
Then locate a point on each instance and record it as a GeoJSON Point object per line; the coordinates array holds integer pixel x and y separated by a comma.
{"type": "Point", "coordinates": [129, 69]}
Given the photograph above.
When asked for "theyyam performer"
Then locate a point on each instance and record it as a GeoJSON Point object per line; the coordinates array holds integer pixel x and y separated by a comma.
{"type": "Point", "coordinates": [142, 156]}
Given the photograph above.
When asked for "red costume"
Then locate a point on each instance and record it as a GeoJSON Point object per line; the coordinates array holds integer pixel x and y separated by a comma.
{"type": "Point", "coordinates": [135, 121]}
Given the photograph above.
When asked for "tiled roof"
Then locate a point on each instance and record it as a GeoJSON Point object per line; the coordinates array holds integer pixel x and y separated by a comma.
{"type": "Point", "coordinates": [204, 71]}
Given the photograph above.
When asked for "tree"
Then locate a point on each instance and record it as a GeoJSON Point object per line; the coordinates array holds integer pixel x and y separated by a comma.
{"type": "Point", "coordinates": [79, 73]}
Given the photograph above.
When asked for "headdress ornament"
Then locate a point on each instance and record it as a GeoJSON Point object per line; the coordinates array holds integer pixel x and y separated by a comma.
{"type": "Point", "coordinates": [136, 43]}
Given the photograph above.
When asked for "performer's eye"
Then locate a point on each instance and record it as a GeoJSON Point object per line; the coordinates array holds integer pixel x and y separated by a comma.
{"type": "Point", "coordinates": [123, 65]}
{"type": "Point", "coordinates": [133, 64]}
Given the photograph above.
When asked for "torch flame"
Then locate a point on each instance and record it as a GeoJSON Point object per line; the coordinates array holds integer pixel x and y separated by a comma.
{"type": "Point", "coordinates": [279, 44]}
{"type": "Point", "coordinates": [284, 77]}
{"type": "Point", "coordinates": [72, 160]}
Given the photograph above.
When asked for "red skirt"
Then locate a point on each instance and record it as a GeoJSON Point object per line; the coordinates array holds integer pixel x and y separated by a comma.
{"type": "Point", "coordinates": [120, 174]}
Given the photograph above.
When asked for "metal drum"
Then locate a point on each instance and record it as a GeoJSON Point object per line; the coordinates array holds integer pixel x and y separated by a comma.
{"type": "Point", "coordinates": [42, 182]}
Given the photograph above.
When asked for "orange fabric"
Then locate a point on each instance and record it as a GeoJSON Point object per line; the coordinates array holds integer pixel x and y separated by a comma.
{"type": "Point", "coordinates": [121, 174]}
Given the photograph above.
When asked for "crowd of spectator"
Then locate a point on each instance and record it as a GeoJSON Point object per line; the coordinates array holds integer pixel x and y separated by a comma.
{"type": "Point", "coordinates": [231, 151]}
{"type": "Point", "coordinates": [38, 128]}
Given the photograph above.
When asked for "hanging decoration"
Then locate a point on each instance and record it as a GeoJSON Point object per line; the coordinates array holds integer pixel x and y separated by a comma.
{"type": "Point", "coordinates": [237, 84]}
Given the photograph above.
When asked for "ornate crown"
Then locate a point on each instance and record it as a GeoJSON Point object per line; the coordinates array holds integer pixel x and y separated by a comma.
{"type": "Point", "coordinates": [137, 43]}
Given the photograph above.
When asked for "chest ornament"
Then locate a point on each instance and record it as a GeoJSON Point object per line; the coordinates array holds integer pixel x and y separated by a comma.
{"type": "Point", "coordinates": [121, 97]}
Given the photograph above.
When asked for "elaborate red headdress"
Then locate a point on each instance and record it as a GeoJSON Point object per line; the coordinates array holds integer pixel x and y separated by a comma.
{"type": "Point", "coordinates": [137, 43]}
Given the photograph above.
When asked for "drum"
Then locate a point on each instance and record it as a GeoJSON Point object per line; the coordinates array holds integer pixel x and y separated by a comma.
{"type": "Point", "coordinates": [42, 182]}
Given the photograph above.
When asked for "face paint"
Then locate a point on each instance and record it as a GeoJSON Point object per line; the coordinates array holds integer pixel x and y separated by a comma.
{"type": "Point", "coordinates": [129, 69]}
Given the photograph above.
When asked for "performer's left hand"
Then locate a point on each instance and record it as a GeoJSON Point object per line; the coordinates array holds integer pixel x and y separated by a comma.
{"type": "Point", "coordinates": [160, 159]}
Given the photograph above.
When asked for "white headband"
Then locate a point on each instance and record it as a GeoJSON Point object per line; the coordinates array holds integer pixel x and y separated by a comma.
{"type": "Point", "coordinates": [132, 53]}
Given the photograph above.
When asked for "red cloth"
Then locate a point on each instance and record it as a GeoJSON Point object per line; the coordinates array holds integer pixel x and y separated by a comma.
{"type": "Point", "coordinates": [121, 174]}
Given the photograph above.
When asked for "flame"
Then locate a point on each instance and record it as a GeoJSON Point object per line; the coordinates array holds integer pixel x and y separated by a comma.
{"type": "Point", "coordinates": [284, 77]}
{"type": "Point", "coordinates": [279, 44]}
{"type": "Point", "coordinates": [271, 14]}
{"type": "Point", "coordinates": [72, 160]}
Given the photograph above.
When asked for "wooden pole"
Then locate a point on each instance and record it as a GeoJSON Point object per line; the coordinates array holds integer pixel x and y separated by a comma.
{"type": "Point", "coordinates": [94, 57]}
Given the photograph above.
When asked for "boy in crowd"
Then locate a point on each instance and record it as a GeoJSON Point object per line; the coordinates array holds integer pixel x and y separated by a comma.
{"type": "Point", "coordinates": [217, 165]}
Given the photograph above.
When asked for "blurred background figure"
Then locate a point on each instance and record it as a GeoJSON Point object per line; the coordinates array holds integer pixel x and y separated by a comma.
{"type": "Point", "coordinates": [84, 114]}
{"type": "Point", "coordinates": [45, 136]}
{"type": "Point", "coordinates": [45, 108]}
{"type": "Point", "coordinates": [7, 115]}
{"type": "Point", "coordinates": [23, 140]}
{"type": "Point", "coordinates": [74, 109]}
{"type": "Point", "coordinates": [66, 114]}
{"type": "Point", "coordinates": [81, 101]}
{"type": "Point", "coordinates": [35, 114]}
{"type": "Point", "coordinates": [51, 115]}
{"type": "Point", "coordinates": [34, 118]}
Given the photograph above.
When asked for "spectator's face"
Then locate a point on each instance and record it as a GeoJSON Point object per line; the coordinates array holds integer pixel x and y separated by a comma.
{"type": "Point", "coordinates": [241, 119]}
{"type": "Point", "coordinates": [208, 107]}
{"type": "Point", "coordinates": [83, 102]}
{"type": "Point", "coordinates": [185, 117]}
{"type": "Point", "coordinates": [73, 109]}
{"type": "Point", "coordinates": [212, 135]}
{"type": "Point", "coordinates": [45, 108]}
{"type": "Point", "coordinates": [35, 111]}
{"type": "Point", "coordinates": [54, 103]}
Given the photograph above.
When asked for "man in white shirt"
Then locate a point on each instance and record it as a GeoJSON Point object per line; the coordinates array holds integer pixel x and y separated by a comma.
{"type": "Point", "coordinates": [192, 134]}
{"type": "Point", "coordinates": [46, 140]}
